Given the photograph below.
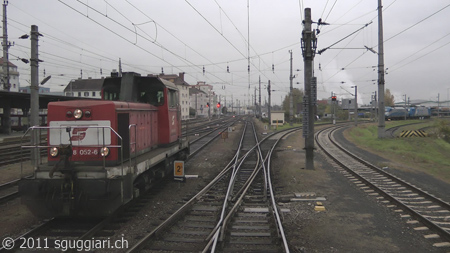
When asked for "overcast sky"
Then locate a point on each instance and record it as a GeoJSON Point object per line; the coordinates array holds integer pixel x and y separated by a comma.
{"type": "Point", "coordinates": [86, 38]}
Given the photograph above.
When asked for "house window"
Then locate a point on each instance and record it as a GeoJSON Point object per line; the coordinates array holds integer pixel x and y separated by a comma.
{"type": "Point", "coordinates": [93, 93]}
{"type": "Point", "coordinates": [79, 93]}
{"type": "Point", "coordinates": [86, 93]}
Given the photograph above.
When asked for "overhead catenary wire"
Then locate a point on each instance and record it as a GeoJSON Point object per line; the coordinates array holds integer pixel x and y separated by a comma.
{"type": "Point", "coordinates": [140, 47]}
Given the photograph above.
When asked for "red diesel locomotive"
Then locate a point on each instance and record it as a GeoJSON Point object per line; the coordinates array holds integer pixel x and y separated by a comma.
{"type": "Point", "coordinates": [103, 153]}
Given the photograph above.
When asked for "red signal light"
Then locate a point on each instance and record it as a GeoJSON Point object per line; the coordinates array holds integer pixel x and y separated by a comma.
{"type": "Point", "coordinates": [218, 105]}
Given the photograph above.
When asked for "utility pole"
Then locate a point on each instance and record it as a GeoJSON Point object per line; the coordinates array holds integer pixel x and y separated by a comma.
{"type": "Point", "coordinates": [371, 107]}
{"type": "Point", "coordinates": [376, 106]}
{"type": "Point", "coordinates": [381, 119]}
{"type": "Point", "coordinates": [209, 102]}
{"type": "Point", "coordinates": [6, 120]}
{"type": "Point", "coordinates": [34, 89]}
{"type": "Point", "coordinates": [260, 109]}
{"type": "Point", "coordinates": [406, 110]}
{"type": "Point", "coordinates": [333, 108]}
{"type": "Point", "coordinates": [255, 105]}
{"type": "Point", "coordinates": [239, 106]}
{"type": "Point", "coordinates": [268, 109]}
{"type": "Point", "coordinates": [308, 49]}
{"type": "Point", "coordinates": [6, 84]}
{"type": "Point", "coordinates": [196, 105]}
{"type": "Point", "coordinates": [218, 108]}
{"type": "Point", "coordinates": [439, 106]}
{"type": "Point", "coordinates": [232, 104]}
{"type": "Point", "coordinates": [291, 99]}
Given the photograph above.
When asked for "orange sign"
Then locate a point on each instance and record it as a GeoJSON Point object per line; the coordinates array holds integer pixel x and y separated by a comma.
{"type": "Point", "coordinates": [178, 168]}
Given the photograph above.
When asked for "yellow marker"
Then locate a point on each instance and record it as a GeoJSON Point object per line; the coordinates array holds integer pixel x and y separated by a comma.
{"type": "Point", "coordinates": [178, 168]}
{"type": "Point", "coordinates": [319, 208]}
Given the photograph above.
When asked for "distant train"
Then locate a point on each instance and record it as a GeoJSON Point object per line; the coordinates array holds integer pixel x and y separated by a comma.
{"type": "Point", "coordinates": [20, 122]}
{"type": "Point", "coordinates": [103, 153]}
{"type": "Point", "coordinates": [396, 113]}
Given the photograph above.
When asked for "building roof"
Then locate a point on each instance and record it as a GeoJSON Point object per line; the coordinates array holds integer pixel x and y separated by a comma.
{"type": "Point", "coordinates": [193, 91]}
{"type": "Point", "coordinates": [176, 79]}
{"type": "Point", "coordinates": [84, 85]}
{"type": "Point", "coordinates": [9, 63]}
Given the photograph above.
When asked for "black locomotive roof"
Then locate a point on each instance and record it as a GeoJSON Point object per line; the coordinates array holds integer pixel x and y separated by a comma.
{"type": "Point", "coordinates": [131, 85]}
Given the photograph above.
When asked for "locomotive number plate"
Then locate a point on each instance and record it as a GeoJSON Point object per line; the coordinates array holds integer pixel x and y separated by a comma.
{"type": "Point", "coordinates": [86, 152]}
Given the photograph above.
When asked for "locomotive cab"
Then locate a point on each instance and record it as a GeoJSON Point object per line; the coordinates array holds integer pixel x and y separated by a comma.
{"type": "Point", "coordinates": [150, 90]}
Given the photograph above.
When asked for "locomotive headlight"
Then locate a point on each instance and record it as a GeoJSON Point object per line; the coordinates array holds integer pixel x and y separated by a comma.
{"type": "Point", "coordinates": [54, 151]}
{"type": "Point", "coordinates": [78, 113]}
{"type": "Point", "coordinates": [104, 151]}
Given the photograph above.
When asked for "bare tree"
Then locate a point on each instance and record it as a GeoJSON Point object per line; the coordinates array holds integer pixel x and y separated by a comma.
{"type": "Point", "coordinates": [388, 98]}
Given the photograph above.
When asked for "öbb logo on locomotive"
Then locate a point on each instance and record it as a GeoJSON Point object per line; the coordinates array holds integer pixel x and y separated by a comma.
{"type": "Point", "coordinates": [78, 133]}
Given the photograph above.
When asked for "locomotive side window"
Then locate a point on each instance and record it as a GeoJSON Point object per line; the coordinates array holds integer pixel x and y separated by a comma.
{"type": "Point", "coordinates": [160, 97]}
{"type": "Point", "coordinates": [110, 95]}
{"type": "Point", "coordinates": [111, 90]}
{"type": "Point", "coordinates": [153, 98]}
{"type": "Point", "coordinates": [173, 99]}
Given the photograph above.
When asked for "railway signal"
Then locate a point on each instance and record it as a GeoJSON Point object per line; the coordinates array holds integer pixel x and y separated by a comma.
{"type": "Point", "coordinates": [218, 105]}
{"type": "Point", "coordinates": [207, 105]}
{"type": "Point", "coordinates": [333, 98]}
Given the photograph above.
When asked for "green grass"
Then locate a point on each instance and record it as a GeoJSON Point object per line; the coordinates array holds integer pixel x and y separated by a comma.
{"type": "Point", "coordinates": [430, 155]}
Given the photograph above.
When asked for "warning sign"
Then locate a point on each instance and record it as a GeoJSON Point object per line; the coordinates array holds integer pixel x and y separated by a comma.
{"type": "Point", "coordinates": [413, 133]}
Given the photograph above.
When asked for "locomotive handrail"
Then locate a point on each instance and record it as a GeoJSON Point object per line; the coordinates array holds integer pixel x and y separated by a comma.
{"type": "Point", "coordinates": [36, 146]}
{"type": "Point", "coordinates": [135, 144]}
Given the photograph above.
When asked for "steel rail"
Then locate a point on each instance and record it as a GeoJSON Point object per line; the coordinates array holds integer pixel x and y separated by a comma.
{"type": "Point", "coordinates": [417, 215]}
{"type": "Point", "coordinates": [222, 223]}
{"type": "Point", "coordinates": [215, 235]}
{"type": "Point", "coordinates": [272, 194]}
{"type": "Point", "coordinates": [140, 244]}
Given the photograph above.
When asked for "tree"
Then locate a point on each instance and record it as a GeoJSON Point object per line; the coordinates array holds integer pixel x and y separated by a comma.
{"type": "Point", "coordinates": [388, 98]}
{"type": "Point", "coordinates": [297, 98]}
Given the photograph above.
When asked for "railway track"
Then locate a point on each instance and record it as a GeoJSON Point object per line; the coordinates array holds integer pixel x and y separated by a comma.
{"type": "Point", "coordinates": [11, 151]}
{"type": "Point", "coordinates": [428, 212]}
{"type": "Point", "coordinates": [100, 229]}
{"type": "Point", "coordinates": [235, 211]}
{"type": "Point", "coordinates": [47, 236]}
